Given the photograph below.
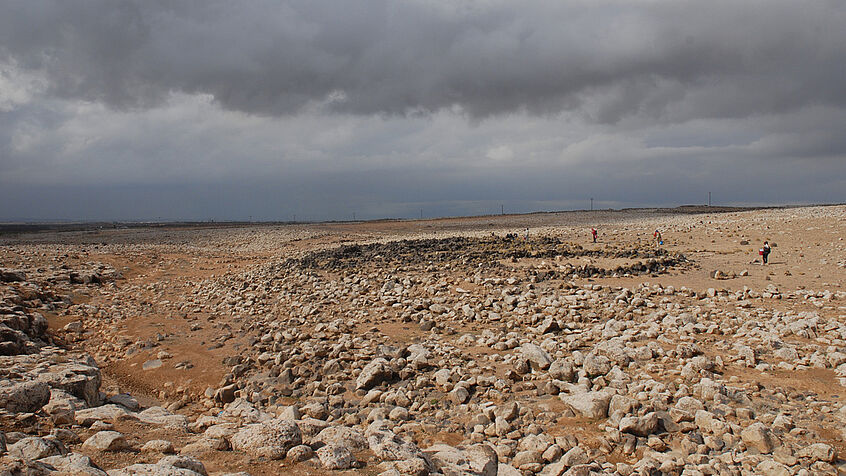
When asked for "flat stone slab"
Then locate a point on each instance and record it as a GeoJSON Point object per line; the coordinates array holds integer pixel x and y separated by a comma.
{"type": "Point", "coordinates": [152, 364]}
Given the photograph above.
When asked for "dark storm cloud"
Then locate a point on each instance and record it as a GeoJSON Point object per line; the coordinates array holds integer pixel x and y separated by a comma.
{"type": "Point", "coordinates": [665, 61]}
{"type": "Point", "coordinates": [218, 109]}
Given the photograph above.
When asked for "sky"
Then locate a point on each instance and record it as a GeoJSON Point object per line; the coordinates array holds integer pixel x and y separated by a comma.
{"type": "Point", "coordinates": [317, 110]}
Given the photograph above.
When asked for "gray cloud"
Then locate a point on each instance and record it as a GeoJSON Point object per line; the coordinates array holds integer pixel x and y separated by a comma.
{"type": "Point", "coordinates": [198, 110]}
{"type": "Point", "coordinates": [609, 60]}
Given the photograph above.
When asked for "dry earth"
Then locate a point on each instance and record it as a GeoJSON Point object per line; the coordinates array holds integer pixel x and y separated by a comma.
{"type": "Point", "coordinates": [433, 346]}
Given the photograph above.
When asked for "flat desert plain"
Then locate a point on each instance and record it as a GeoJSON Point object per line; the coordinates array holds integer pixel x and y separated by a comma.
{"type": "Point", "coordinates": [448, 346]}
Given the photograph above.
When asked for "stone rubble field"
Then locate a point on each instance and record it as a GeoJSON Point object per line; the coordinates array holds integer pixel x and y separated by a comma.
{"type": "Point", "coordinates": [429, 347]}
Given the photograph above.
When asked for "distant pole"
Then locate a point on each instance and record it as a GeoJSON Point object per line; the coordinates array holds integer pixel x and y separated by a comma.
{"type": "Point", "coordinates": [591, 204]}
{"type": "Point", "coordinates": [502, 209]}
{"type": "Point", "coordinates": [709, 199]}
{"type": "Point", "coordinates": [421, 213]}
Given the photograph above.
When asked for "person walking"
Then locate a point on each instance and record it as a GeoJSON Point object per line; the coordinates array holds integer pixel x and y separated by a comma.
{"type": "Point", "coordinates": [658, 239]}
{"type": "Point", "coordinates": [593, 232]}
{"type": "Point", "coordinates": [765, 252]}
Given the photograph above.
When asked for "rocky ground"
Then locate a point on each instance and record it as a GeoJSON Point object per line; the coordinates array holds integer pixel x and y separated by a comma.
{"type": "Point", "coordinates": [429, 347]}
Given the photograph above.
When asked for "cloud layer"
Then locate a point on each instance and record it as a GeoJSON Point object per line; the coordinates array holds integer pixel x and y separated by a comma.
{"type": "Point", "coordinates": [611, 59]}
{"type": "Point", "coordinates": [389, 105]}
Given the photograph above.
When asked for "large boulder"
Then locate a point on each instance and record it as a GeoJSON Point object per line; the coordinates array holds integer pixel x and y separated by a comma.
{"type": "Point", "coordinates": [640, 425]}
{"type": "Point", "coordinates": [125, 400]}
{"type": "Point", "coordinates": [772, 468]}
{"type": "Point", "coordinates": [480, 460]}
{"type": "Point", "coordinates": [622, 405]}
{"type": "Point", "coordinates": [32, 326]}
{"type": "Point", "coordinates": [386, 445]}
{"type": "Point", "coordinates": [271, 439]}
{"type": "Point", "coordinates": [12, 341]}
{"type": "Point", "coordinates": [596, 365]}
{"type": "Point", "coordinates": [24, 467]}
{"type": "Point", "coordinates": [61, 401]}
{"type": "Point", "coordinates": [759, 437]}
{"type": "Point", "coordinates": [33, 447]}
{"type": "Point", "coordinates": [78, 379]}
{"type": "Point", "coordinates": [242, 411]}
{"type": "Point", "coordinates": [158, 446]}
{"type": "Point", "coordinates": [8, 275]}
{"type": "Point", "coordinates": [576, 456]}
{"type": "Point", "coordinates": [562, 369]}
{"type": "Point", "coordinates": [537, 357]}
{"type": "Point", "coordinates": [508, 470]}
{"type": "Point", "coordinates": [140, 469]}
{"type": "Point", "coordinates": [445, 457]}
{"type": "Point", "coordinates": [341, 435]}
{"type": "Point", "coordinates": [160, 416]}
{"type": "Point", "coordinates": [311, 427]}
{"type": "Point", "coordinates": [589, 404]}
{"type": "Point", "coordinates": [819, 452]}
{"type": "Point", "coordinates": [168, 466]}
{"type": "Point", "coordinates": [106, 441]}
{"type": "Point", "coordinates": [74, 463]}
{"type": "Point", "coordinates": [24, 397]}
{"type": "Point", "coordinates": [528, 460]}
{"type": "Point", "coordinates": [108, 413]}
{"type": "Point", "coordinates": [183, 462]}
{"type": "Point", "coordinates": [336, 456]}
{"type": "Point", "coordinates": [374, 373]}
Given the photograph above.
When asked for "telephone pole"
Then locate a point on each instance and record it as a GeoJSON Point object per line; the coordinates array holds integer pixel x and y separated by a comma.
{"type": "Point", "coordinates": [591, 204]}
{"type": "Point", "coordinates": [502, 209]}
{"type": "Point", "coordinates": [709, 199]}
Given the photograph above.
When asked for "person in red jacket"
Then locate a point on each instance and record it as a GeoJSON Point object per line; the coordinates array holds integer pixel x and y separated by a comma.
{"type": "Point", "coordinates": [593, 232]}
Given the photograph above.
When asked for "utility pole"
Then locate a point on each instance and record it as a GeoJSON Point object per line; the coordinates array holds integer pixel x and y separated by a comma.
{"type": "Point", "coordinates": [421, 213]}
{"type": "Point", "coordinates": [591, 204]}
{"type": "Point", "coordinates": [353, 216]}
{"type": "Point", "coordinates": [502, 209]}
{"type": "Point", "coordinates": [709, 199]}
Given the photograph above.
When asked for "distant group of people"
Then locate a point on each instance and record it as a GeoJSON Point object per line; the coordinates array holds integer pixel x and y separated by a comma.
{"type": "Point", "coordinates": [656, 235]}
{"type": "Point", "coordinates": [659, 241]}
